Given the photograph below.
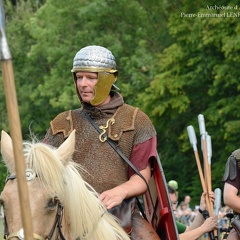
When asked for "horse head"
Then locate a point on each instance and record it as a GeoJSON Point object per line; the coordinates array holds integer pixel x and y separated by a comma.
{"type": "Point", "coordinates": [63, 205]}
{"type": "Point", "coordinates": [45, 205]}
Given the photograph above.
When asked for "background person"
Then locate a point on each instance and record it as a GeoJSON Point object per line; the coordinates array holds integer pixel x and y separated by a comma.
{"type": "Point", "coordinates": [174, 185]}
{"type": "Point", "coordinates": [199, 225]}
{"type": "Point", "coordinates": [183, 214]}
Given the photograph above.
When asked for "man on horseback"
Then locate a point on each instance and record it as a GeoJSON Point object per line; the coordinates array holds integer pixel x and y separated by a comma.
{"type": "Point", "coordinates": [102, 120]}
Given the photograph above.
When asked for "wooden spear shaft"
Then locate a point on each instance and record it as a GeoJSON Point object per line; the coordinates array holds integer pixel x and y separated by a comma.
{"type": "Point", "coordinates": [207, 175]}
{"type": "Point", "coordinates": [193, 141]}
{"type": "Point", "coordinates": [15, 130]}
{"type": "Point", "coordinates": [205, 160]}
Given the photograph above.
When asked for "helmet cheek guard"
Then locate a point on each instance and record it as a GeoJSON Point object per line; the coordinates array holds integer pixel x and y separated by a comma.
{"type": "Point", "coordinates": [103, 86]}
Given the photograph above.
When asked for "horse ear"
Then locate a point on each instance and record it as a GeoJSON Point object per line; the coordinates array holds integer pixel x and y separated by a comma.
{"type": "Point", "coordinates": [66, 149]}
{"type": "Point", "coordinates": [7, 151]}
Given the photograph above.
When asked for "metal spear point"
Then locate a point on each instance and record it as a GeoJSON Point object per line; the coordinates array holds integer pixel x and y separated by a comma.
{"type": "Point", "coordinates": [209, 148]}
{"type": "Point", "coordinates": [217, 203]}
{"type": "Point", "coordinates": [209, 155]}
{"type": "Point", "coordinates": [201, 123]}
{"type": "Point", "coordinates": [15, 128]}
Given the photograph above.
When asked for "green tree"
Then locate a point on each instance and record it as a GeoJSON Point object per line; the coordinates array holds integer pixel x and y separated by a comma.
{"type": "Point", "coordinates": [43, 46]}
{"type": "Point", "coordinates": [19, 41]}
{"type": "Point", "coordinates": [125, 28]}
{"type": "Point", "coordinates": [198, 75]}
{"type": "Point", "coordinates": [172, 67]}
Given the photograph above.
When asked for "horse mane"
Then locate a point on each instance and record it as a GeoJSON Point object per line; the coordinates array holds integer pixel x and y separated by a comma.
{"type": "Point", "coordinates": [45, 162]}
{"type": "Point", "coordinates": [87, 215]}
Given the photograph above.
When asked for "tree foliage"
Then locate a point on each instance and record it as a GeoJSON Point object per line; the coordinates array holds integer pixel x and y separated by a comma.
{"type": "Point", "coordinates": [198, 75]}
{"type": "Point", "coordinates": [172, 67]}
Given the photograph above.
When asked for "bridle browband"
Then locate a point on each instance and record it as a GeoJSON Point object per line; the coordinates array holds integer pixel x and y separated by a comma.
{"type": "Point", "coordinates": [57, 223]}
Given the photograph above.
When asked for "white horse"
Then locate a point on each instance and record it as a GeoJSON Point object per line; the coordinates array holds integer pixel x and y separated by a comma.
{"type": "Point", "coordinates": [63, 205]}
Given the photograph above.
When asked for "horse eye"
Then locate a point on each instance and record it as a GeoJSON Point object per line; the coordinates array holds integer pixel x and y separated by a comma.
{"type": "Point", "coordinates": [1, 197]}
{"type": "Point", "coordinates": [1, 202]}
{"type": "Point", "coordinates": [52, 203]}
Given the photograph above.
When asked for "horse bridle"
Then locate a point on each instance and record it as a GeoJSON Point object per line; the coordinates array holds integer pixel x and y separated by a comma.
{"type": "Point", "coordinates": [20, 233]}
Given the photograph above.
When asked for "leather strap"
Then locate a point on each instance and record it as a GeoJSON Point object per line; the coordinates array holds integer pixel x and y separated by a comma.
{"type": "Point", "coordinates": [112, 144]}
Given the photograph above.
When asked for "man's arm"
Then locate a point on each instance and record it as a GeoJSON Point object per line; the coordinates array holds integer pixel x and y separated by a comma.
{"type": "Point", "coordinates": [230, 197]}
{"type": "Point", "coordinates": [207, 226]}
{"type": "Point", "coordinates": [135, 186]}
{"type": "Point", "coordinates": [199, 219]}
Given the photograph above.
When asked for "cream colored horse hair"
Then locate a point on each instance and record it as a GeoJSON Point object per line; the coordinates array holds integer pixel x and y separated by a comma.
{"type": "Point", "coordinates": [91, 216]}
{"type": "Point", "coordinates": [88, 217]}
{"type": "Point", "coordinates": [45, 161]}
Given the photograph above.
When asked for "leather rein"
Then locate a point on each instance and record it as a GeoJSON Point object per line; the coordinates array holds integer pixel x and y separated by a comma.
{"type": "Point", "coordinates": [20, 234]}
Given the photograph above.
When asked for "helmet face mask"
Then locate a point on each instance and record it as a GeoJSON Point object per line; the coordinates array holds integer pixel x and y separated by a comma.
{"type": "Point", "coordinates": [99, 60]}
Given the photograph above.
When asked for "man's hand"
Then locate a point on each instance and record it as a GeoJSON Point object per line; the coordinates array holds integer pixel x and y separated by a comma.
{"type": "Point", "coordinates": [135, 186]}
{"type": "Point", "coordinates": [209, 224]}
{"type": "Point", "coordinates": [203, 205]}
{"type": "Point", "coordinates": [113, 197]}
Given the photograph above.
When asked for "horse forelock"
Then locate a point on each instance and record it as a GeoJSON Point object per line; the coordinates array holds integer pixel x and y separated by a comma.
{"type": "Point", "coordinates": [45, 162]}
{"type": "Point", "coordinates": [65, 181]}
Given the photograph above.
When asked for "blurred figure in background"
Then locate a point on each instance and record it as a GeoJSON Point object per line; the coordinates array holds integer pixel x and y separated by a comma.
{"type": "Point", "coordinates": [183, 213]}
{"type": "Point", "coordinates": [174, 184]}
{"type": "Point", "coordinates": [199, 225]}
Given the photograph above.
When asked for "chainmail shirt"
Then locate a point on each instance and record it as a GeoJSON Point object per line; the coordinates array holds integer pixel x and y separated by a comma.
{"type": "Point", "coordinates": [104, 167]}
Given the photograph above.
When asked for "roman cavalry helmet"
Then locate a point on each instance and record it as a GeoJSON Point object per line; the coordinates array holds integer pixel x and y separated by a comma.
{"type": "Point", "coordinates": [100, 60]}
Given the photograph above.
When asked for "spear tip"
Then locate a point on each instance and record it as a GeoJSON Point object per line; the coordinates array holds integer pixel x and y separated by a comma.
{"type": "Point", "coordinates": [5, 53]}
{"type": "Point", "coordinates": [201, 123]}
{"type": "Point", "coordinates": [192, 137]}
